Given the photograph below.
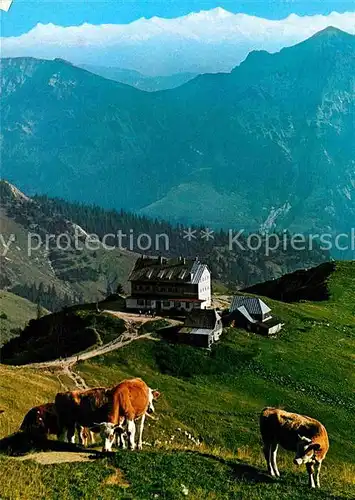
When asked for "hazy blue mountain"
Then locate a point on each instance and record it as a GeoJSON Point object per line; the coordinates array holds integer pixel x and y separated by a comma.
{"type": "Point", "coordinates": [269, 145]}
{"type": "Point", "coordinates": [139, 81]}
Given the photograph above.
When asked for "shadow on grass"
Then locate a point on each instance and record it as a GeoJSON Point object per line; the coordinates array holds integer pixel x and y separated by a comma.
{"type": "Point", "coordinates": [240, 470]}
{"type": "Point", "coordinates": [243, 472]}
{"type": "Point", "coordinates": [20, 443]}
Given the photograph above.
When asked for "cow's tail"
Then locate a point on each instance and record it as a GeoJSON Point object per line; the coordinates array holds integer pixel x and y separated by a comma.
{"type": "Point", "coordinates": [264, 421]}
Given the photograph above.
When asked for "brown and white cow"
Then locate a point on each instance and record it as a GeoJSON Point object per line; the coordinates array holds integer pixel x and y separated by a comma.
{"type": "Point", "coordinates": [41, 421]}
{"type": "Point", "coordinates": [303, 435]}
{"type": "Point", "coordinates": [107, 411]}
{"type": "Point", "coordinates": [132, 399]}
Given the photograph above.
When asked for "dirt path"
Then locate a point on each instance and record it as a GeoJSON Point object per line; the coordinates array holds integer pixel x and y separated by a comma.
{"type": "Point", "coordinates": [133, 323]}
{"type": "Point", "coordinates": [129, 335]}
{"type": "Point", "coordinates": [75, 377]}
{"type": "Point", "coordinates": [66, 367]}
{"type": "Point", "coordinates": [57, 457]}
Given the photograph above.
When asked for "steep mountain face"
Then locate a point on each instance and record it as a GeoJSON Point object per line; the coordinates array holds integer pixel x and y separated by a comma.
{"type": "Point", "coordinates": [138, 80]}
{"type": "Point", "coordinates": [269, 146]}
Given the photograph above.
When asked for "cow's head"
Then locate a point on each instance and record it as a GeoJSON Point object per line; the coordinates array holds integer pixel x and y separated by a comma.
{"type": "Point", "coordinates": [153, 395]}
{"type": "Point", "coordinates": [305, 451]}
{"type": "Point", "coordinates": [108, 433]}
{"type": "Point", "coordinates": [33, 422]}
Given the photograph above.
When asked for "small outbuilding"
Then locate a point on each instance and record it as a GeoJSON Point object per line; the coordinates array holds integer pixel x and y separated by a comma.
{"type": "Point", "coordinates": [252, 314]}
{"type": "Point", "coordinates": [202, 328]}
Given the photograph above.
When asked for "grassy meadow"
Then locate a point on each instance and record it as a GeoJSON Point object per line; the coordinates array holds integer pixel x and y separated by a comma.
{"type": "Point", "coordinates": [215, 397]}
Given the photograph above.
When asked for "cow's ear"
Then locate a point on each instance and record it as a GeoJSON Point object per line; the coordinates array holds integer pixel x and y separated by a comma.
{"type": "Point", "coordinates": [156, 395]}
{"type": "Point", "coordinates": [316, 446]}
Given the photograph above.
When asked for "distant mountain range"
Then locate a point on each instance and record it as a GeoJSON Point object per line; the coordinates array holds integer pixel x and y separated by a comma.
{"type": "Point", "coordinates": [208, 41]}
{"type": "Point", "coordinates": [139, 81]}
{"type": "Point", "coordinates": [269, 146]}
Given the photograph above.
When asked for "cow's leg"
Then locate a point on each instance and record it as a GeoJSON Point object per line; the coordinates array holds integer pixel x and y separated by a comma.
{"type": "Point", "coordinates": [81, 435]}
{"type": "Point", "coordinates": [310, 470]}
{"type": "Point", "coordinates": [267, 454]}
{"type": "Point", "coordinates": [61, 434]}
{"type": "Point", "coordinates": [140, 437]}
{"type": "Point", "coordinates": [120, 441]}
{"type": "Point", "coordinates": [317, 467]}
{"type": "Point", "coordinates": [273, 457]}
{"type": "Point", "coordinates": [92, 437]}
{"type": "Point", "coordinates": [71, 434]}
{"type": "Point", "coordinates": [131, 431]}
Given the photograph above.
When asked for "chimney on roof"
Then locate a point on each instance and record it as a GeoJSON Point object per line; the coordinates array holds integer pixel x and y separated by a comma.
{"type": "Point", "coordinates": [160, 259]}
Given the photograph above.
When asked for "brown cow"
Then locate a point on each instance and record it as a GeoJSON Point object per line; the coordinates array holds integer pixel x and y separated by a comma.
{"type": "Point", "coordinates": [107, 410]}
{"type": "Point", "coordinates": [304, 435]}
{"type": "Point", "coordinates": [41, 421]}
{"type": "Point", "coordinates": [80, 409]}
{"type": "Point", "coordinates": [131, 400]}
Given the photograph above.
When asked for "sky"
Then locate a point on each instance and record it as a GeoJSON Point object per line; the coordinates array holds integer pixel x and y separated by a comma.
{"type": "Point", "coordinates": [25, 14]}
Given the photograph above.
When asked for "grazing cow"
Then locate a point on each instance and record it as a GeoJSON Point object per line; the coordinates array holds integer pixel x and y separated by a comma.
{"type": "Point", "coordinates": [304, 435]}
{"type": "Point", "coordinates": [41, 421]}
{"type": "Point", "coordinates": [107, 411]}
{"type": "Point", "coordinates": [131, 400]}
{"type": "Point", "coordinates": [80, 409]}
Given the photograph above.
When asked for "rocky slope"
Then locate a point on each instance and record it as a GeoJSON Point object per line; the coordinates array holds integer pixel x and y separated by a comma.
{"type": "Point", "coordinates": [35, 266]}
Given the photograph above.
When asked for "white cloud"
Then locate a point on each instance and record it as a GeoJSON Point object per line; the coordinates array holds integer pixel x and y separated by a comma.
{"type": "Point", "coordinates": [5, 5]}
{"type": "Point", "coordinates": [214, 40]}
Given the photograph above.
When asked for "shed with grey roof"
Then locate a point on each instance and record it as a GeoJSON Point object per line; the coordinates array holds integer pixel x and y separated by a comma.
{"type": "Point", "coordinates": [251, 313]}
{"type": "Point", "coordinates": [255, 307]}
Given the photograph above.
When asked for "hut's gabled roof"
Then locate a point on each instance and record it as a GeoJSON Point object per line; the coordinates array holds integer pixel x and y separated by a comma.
{"type": "Point", "coordinates": [253, 305]}
{"type": "Point", "coordinates": [202, 318]}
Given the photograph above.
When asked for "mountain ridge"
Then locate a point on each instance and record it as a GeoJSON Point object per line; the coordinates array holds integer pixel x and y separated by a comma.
{"type": "Point", "coordinates": [298, 109]}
